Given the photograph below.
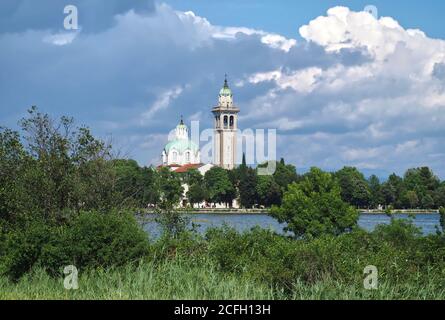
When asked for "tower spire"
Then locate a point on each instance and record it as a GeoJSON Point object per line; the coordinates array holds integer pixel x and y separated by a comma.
{"type": "Point", "coordinates": [182, 120]}
{"type": "Point", "coordinates": [225, 81]}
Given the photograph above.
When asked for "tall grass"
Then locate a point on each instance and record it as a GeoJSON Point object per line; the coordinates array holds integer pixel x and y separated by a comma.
{"type": "Point", "coordinates": [171, 279]}
{"type": "Point", "coordinates": [184, 280]}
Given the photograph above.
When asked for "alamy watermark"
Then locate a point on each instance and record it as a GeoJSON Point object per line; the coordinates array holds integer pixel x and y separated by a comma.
{"type": "Point", "coordinates": [71, 280]}
{"type": "Point", "coordinates": [71, 21]}
{"type": "Point", "coordinates": [258, 146]}
{"type": "Point", "coordinates": [371, 281]}
{"type": "Point", "coordinates": [372, 10]}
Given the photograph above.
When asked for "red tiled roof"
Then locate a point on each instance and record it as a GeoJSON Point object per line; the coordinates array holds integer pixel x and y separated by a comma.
{"type": "Point", "coordinates": [187, 167]}
{"type": "Point", "coordinates": [169, 166]}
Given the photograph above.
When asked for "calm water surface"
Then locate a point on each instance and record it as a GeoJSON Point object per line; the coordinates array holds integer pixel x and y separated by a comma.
{"type": "Point", "coordinates": [244, 222]}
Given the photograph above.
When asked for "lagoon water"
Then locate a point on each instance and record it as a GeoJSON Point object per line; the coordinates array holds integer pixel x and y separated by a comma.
{"type": "Point", "coordinates": [244, 222]}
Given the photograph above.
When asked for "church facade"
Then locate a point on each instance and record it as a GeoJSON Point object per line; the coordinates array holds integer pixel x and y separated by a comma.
{"type": "Point", "coordinates": [181, 154]}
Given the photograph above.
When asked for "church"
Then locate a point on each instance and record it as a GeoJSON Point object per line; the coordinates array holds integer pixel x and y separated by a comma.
{"type": "Point", "coordinates": [181, 154]}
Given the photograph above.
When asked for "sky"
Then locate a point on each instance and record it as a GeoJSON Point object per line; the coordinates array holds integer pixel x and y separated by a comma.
{"type": "Point", "coordinates": [341, 87]}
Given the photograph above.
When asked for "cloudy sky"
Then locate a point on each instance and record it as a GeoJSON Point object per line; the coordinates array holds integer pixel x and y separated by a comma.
{"type": "Point", "coordinates": [340, 86]}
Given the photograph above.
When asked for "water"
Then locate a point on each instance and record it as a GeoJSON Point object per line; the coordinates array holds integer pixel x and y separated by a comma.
{"type": "Point", "coordinates": [244, 222]}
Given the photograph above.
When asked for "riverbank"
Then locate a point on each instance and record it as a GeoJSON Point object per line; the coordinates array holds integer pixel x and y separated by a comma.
{"type": "Point", "coordinates": [267, 210]}
{"type": "Point", "coordinates": [400, 211]}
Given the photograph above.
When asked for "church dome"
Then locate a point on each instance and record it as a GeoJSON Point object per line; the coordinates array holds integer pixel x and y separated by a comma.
{"type": "Point", "coordinates": [225, 90]}
{"type": "Point", "coordinates": [181, 145]}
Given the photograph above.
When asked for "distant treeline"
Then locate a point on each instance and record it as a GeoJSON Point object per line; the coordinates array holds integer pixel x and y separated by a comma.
{"type": "Point", "coordinates": [419, 188]}
{"type": "Point", "coordinates": [53, 168]}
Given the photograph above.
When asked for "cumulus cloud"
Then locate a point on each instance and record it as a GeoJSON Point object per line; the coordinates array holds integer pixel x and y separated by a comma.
{"type": "Point", "coordinates": [355, 91]}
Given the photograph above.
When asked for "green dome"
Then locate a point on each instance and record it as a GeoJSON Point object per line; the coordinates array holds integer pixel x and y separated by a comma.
{"type": "Point", "coordinates": [225, 91]}
{"type": "Point", "coordinates": [181, 146]}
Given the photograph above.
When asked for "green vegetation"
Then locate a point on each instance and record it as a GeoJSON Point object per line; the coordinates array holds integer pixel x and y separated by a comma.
{"type": "Point", "coordinates": [224, 264]}
{"type": "Point", "coordinates": [64, 200]}
{"type": "Point", "coordinates": [314, 207]}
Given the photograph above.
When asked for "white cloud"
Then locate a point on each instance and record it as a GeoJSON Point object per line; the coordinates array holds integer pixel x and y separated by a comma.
{"type": "Point", "coordinates": [162, 102]}
{"type": "Point", "coordinates": [273, 40]}
{"type": "Point", "coordinates": [61, 38]}
{"type": "Point", "coordinates": [356, 90]}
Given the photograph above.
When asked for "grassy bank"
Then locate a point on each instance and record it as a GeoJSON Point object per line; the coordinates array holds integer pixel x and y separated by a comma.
{"type": "Point", "coordinates": [181, 280]}
{"type": "Point", "coordinates": [226, 264]}
{"type": "Point", "coordinates": [169, 280]}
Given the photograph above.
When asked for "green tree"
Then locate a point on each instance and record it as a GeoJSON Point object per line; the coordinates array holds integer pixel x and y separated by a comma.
{"type": "Point", "coordinates": [196, 193]}
{"type": "Point", "coordinates": [354, 187]}
{"type": "Point", "coordinates": [427, 201]}
{"type": "Point", "coordinates": [412, 199]}
{"type": "Point", "coordinates": [425, 183]}
{"type": "Point", "coordinates": [149, 183]}
{"type": "Point", "coordinates": [14, 198]}
{"type": "Point", "coordinates": [268, 191]}
{"type": "Point", "coordinates": [439, 195]}
{"type": "Point", "coordinates": [375, 189]}
{"type": "Point", "coordinates": [219, 187]}
{"type": "Point", "coordinates": [284, 174]}
{"type": "Point", "coordinates": [393, 190]}
{"type": "Point", "coordinates": [170, 187]}
{"type": "Point", "coordinates": [314, 207]}
{"type": "Point", "coordinates": [247, 187]}
{"type": "Point", "coordinates": [172, 221]}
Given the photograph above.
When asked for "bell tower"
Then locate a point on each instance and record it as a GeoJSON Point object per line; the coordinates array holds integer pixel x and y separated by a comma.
{"type": "Point", "coordinates": [225, 128]}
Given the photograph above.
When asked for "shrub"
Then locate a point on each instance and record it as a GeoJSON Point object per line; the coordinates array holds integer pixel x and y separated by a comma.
{"type": "Point", "coordinates": [95, 239]}
{"type": "Point", "coordinates": [314, 207]}
{"type": "Point", "coordinates": [90, 240]}
{"type": "Point", "coordinates": [23, 248]}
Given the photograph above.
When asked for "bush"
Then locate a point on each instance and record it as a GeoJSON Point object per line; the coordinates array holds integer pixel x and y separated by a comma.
{"type": "Point", "coordinates": [314, 207]}
{"type": "Point", "coordinates": [23, 248]}
{"type": "Point", "coordinates": [90, 240]}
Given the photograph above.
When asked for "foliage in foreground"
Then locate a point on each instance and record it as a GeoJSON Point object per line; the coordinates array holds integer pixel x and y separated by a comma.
{"type": "Point", "coordinates": [183, 279]}
{"type": "Point", "coordinates": [89, 240]}
{"type": "Point", "coordinates": [258, 264]}
{"type": "Point", "coordinates": [314, 207]}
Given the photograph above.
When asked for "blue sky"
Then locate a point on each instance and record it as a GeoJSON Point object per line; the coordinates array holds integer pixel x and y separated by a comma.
{"type": "Point", "coordinates": [285, 16]}
{"type": "Point", "coordinates": [340, 87]}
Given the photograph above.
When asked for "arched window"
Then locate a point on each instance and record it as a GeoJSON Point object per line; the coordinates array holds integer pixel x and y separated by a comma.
{"type": "Point", "coordinates": [174, 156]}
{"type": "Point", "coordinates": [226, 120]}
{"type": "Point", "coordinates": [187, 157]}
{"type": "Point", "coordinates": [231, 122]}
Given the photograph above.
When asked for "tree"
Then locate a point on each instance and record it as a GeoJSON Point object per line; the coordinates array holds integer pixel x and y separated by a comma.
{"type": "Point", "coordinates": [354, 188]}
{"type": "Point", "coordinates": [392, 191]}
{"type": "Point", "coordinates": [149, 182]}
{"type": "Point", "coordinates": [170, 187]}
{"type": "Point", "coordinates": [219, 187]}
{"type": "Point", "coordinates": [427, 201]}
{"type": "Point", "coordinates": [425, 183]}
{"type": "Point", "coordinates": [135, 185]}
{"type": "Point", "coordinates": [439, 195]}
{"type": "Point", "coordinates": [284, 174]}
{"type": "Point", "coordinates": [172, 222]}
{"type": "Point", "coordinates": [14, 197]}
{"type": "Point", "coordinates": [314, 206]}
{"type": "Point", "coordinates": [375, 191]}
{"type": "Point", "coordinates": [195, 181]}
{"type": "Point", "coordinates": [67, 168]}
{"type": "Point", "coordinates": [412, 199]}
{"type": "Point", "coordinates": [268, 191]}
{"type": "Point", "coordinates": [247, 187]}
